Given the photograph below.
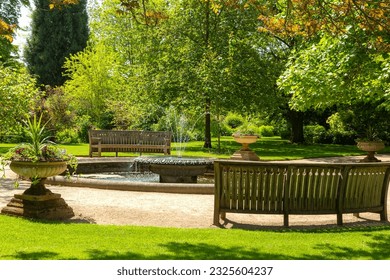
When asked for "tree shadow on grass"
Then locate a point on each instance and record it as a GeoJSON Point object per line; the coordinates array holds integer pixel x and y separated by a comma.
{"type": "Point", "coordinates": [377, 249]}
{"type": "Point", "coordinates": [39, 255]}
{"type": "Point", "coordinates": [183, 251]}
{"type": "Point", "coordinates": [186, 251]}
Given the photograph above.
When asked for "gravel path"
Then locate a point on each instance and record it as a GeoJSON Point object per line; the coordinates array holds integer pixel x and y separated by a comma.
{"type": "Point", "coordinates": [167, 209]}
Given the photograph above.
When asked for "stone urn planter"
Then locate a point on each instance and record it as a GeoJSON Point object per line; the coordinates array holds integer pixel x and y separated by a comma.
{"type": "Point", "coordinates": [371, 147]}
{"type": "Point", "coordinates": [36, 160]}
{"type": "Point", "coordinates": [38, 201]}
{"type": "Point", "coordinates": [38, 169]}
{"type": "Point", "coordinates": [245, 153]}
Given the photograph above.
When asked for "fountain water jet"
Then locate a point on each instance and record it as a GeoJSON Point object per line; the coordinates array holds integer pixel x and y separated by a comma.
{"type": "Point", "coordinates": [177, 169]}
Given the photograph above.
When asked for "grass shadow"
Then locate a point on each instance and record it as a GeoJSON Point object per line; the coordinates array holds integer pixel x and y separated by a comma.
{"type": "Point", "coordinates": [39, 255]}
{"type": "Point", "coordinates": [378, 250]}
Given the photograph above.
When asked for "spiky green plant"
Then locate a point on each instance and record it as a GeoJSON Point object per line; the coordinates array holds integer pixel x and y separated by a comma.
{"type": "Point", "coordinates": [35, 131]}
{"type": "Point", "coordinates": [38, 147]}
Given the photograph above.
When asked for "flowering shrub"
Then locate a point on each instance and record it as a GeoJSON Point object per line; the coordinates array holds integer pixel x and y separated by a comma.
{"type": "Point", "coordinates": [25, 152]}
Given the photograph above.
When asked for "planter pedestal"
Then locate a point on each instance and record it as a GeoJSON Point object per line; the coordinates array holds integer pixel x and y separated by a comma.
{"type": "Point", "coordinates": [245, 155]}
{"type": "Point", "coordinates": [37, 201]}
{"type": "Point", "coordinates": [370, 158]}
{"type": "Point", "coordinates": [48, 207]}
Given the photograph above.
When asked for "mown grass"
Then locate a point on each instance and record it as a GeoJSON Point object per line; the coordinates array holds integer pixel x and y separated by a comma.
{"type": "Point", "coordinates": [267, 148]}
{"type": "Point", "coordinates": [273, 148]}
{"type": "Point", "coordinates": [23, 240]}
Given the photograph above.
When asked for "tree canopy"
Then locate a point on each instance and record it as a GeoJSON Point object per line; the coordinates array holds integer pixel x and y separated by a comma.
{"type": "Point", "coordinates": [336, 71]}
{"type": "Point", "coordinates": [18, 97]}
{"type": "Point", "coordinates": [191, 54]}
{"type": "Point", "coordinates": [341, 50]}
{"type": "Point", "coordinates": [208, 57]}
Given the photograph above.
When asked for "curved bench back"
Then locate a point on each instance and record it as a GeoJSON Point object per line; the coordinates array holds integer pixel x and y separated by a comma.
{"type": "Point", "coordinates": [300, 188]}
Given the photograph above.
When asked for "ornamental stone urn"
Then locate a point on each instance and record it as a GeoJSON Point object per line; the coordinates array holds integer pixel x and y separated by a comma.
{"type": "Point", "coordinates": [245, 153]}
{"type": "Point", "coordinates": [37, 201]}
{"type": "Point", "coordinates": [371, 147]}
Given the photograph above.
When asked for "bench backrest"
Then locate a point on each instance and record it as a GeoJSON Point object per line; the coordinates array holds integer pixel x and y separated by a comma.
{"type": "Point", "coordinates": [248, 186]}
{"type": "Point", "coordinates": [130, 137]}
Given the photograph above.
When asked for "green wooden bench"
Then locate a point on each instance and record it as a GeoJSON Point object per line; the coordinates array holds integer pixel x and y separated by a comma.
{"type": "Point", "coordinates": [129, 141]}
{"type": "Point", "coordinates": [300, 188]}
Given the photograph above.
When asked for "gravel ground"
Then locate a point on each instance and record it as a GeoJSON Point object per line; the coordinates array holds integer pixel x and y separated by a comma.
{"type": "Point", "coordinates": [170, 210]}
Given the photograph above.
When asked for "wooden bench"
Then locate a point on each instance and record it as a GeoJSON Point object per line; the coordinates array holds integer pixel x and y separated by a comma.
{"type": "Point", "coordinates": [300, 188]}
{"type": "Point", "coordinates": [129, 141]}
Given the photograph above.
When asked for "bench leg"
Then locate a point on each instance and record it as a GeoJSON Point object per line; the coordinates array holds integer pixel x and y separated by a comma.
{"type": "Point", "coordinates": [285, 220]}
{"type": "Point", "coordinates": [339, 219]}
{"type": "Point", "coordinates": [383, 216]}
{"type": "Point", "coordinates": [216, 218]}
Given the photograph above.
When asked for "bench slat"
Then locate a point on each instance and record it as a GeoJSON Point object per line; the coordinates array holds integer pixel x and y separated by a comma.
{"type": "Point", "coordinates": [129, 141]}
{"type": "Point", "coordinates": [292, 188]}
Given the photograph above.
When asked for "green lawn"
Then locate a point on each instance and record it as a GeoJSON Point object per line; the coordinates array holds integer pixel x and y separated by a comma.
{"type": "Point", "coordinates": [267, 148]}
{"type": "Point", "coordinates": [23, 239]}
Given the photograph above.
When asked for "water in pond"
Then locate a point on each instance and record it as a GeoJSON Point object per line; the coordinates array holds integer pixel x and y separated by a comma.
{"type": "Point", "coordinates": [135, 177]}
{"type": "Point", "coordinates": [123, 176]}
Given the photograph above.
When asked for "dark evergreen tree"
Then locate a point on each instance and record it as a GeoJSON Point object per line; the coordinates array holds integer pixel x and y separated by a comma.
{"type": "Point", "coordinates": [56, 33]}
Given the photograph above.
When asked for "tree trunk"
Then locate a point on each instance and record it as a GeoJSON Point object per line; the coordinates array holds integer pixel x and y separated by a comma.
{"type": "Point", "coordinates": [296, 120]}
{"type": "Point", "coordinates": [207, 135]}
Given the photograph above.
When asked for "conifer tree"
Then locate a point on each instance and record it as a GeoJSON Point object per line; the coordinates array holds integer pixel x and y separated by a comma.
{"type": "Point", "coordinates": [57, 32]}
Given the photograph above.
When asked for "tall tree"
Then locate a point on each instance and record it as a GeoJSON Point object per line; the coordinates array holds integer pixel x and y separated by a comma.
{"type": "Point", "coordinates": [9, 17]}
{"type": "Point", "coordinates": [345, 54]}
{"type": "Point", "coordinates": [211, 55]}
{"type": "Point", "coordinates": [57, 32]}
{"type": "Point", "coordinates": [197, 56]}
{"type": "Point", "coordinates": [96, 82]}
{"type": "Point", "coordinates": [18, 97]}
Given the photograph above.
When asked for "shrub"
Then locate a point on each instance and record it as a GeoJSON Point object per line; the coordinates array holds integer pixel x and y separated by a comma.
{"type": "Point", "coordinates": [283, 129]}
{"type": "Point", "coordinates": [84, 124]}
{"type": "Point", "coordinates": [234, 120]}
{"type": "Point", "coordinates": [67, 136]}
{"type": "Point", "coordinates": [339, 132]}
{"type": "Point", "coordinates": [285, 133]}
{"type": "Point", "coordinates": [248, 129]}
{"type": "Point", "coordinates": [315, 134]}
{"type": "Point", "coordinates": [225, 130]}
{"type": "Point", "coordinates": [343, 137]}
{"type": "Point", "coordinates": [266, 130]}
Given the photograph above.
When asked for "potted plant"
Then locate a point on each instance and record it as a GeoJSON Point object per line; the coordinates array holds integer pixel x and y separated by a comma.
{"type": "Point", "coordinates": [370, 144]}
{"type": "Point", "coordinates": [245, 135]}
{"type": "Point", "coordinates": [36, 160]}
